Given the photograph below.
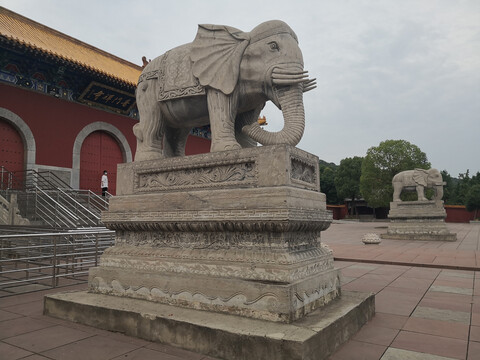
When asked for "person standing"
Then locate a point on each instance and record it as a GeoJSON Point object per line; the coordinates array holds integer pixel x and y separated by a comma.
{"type": "Point", "coordinates": [104, 183]}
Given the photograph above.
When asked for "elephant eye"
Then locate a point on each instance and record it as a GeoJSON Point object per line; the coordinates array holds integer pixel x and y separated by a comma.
{"type": "Point", "coordinates": [273, 45]}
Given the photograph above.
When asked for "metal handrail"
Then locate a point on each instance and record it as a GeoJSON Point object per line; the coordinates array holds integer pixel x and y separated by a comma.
{"type": "Point", "coordinates": [79, 231]}
{"type": "Point", "coordinates": [5, 175]}
{"type": "Point", "coordinates": [34, 179]}
{"type": "Point", "coordinates": [65, 212]}
{"type": "Point", "coordinates": [83, 207]}
{"type": "Point", "coordinates": [60, 185]}
{"type": "Point", "coordinates": [57, 183]}
{"type": "Point", "coordinates": [46, 258]}
{"type": "Point", "coordinates": [10, 179]}
{"type": "Point", "coordinates": [67, 207]}
{"type": "Point", "coordinates": [98, 202]}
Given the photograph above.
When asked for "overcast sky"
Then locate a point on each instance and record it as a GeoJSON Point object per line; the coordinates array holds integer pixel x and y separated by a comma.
{"type": "Point", "coordinates": [390, 69]}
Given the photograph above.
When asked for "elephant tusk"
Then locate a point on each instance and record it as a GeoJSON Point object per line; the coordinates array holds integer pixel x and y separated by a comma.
{"type": "Point", "coordinates": [289, 72]}
{"type": "Point", "coordinates": [288, 82]}
{"type": "Point", "coordinates": [308, 88]}
{"type": "Point", "coordinates": [309, 85]}
{"type": "Point", "coordinates": [293, 77]}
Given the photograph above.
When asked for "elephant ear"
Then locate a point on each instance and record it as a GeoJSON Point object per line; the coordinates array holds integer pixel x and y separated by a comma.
{"type": "Point", "coordinates": [420, 176]}
{"type": "Point", "coordinates": [216, 54]}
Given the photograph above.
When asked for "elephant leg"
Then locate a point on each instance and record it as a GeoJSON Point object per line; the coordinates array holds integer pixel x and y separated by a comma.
{"type": "Point", "coordinates": [222, 110]}
{"type": "Point", "coordinates": [175, 140]}
{"type": "Point", "coordinates": [397, 190]}
{"type": "Point", "coordinates": [421, 193]}
{"type": "Point", "coordinates": [150, 130]}
{"type": "Point", "coordinates": [243, 119]}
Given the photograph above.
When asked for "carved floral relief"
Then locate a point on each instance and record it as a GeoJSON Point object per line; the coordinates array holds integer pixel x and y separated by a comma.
{"type": "Point", "coordinates": [232, 174]}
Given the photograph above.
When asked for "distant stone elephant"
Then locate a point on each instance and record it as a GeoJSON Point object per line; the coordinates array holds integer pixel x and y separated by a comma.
{"type": "Point", "coordinates": [418, 180]}
{"type": "Point", "coordinates": [223, 78]}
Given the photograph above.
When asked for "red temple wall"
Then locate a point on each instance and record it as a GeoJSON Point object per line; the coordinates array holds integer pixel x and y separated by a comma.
{"type": "Point", "coordinates": [458, 214]}
{"type": "Point", "coordinates": [197, 145]}
{"type": "Point", "coordinates": [55, 123]}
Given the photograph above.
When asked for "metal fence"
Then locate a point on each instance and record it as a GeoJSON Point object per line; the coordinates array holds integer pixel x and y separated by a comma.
{"type": "Point", "coordinates": [38, 261]}
{"type": "Point", "coordinates": [43, 197]}
{"type": "Point", "coordinates": [55, 208]}
{"type": "Point", "coordinates": [6, 178]}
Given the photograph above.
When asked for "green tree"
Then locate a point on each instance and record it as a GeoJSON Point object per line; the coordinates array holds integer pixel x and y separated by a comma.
{"type": "Point", "coordinates": [327, 181]}
{"type": "Point", "coordinates": [461, 188]}
{"type": "Point", "coordinates": [347, 180]}
{"type": "Point", "coordinates": [476, 179]}
{"type": "Point", "coordinates": [473, 199]}
{"type": "Point", "coordinates": [456, 190]}
{"type": "Point", "coordinates": [448, 189]}
{"type": "Point", "coordinates": [382, 163]}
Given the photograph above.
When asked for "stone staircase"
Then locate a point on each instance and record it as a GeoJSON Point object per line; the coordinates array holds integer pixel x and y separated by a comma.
{"type": "Point", "coordinates": [44, 199]}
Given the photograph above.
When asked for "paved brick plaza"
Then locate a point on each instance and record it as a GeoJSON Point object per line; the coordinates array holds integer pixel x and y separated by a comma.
{"type": "Point", "coordinates": [428, 307]}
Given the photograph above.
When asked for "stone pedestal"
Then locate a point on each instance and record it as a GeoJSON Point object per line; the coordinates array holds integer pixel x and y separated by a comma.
{"type": "Point", "coordinates": [223, 336]}
{"type": "Point", "coordinates": [234, 234]}
{"type": "Point", "coordinates": [418, 220]}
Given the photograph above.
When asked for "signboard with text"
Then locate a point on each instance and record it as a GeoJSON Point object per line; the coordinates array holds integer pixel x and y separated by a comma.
{"type": "Point", "coordinates": [108, 97]}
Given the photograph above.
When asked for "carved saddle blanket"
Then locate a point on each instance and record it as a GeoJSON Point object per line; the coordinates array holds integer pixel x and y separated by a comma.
{"type": "Point", "coordinates": [174, 73]}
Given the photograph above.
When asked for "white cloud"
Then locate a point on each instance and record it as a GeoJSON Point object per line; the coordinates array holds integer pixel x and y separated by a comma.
{"type": "Point", "coordinates": [385, 69]}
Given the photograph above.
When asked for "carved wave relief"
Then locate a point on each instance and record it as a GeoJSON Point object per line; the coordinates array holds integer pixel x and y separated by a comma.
{"type": "Point", "coordinates": [313, 294]}
{"type": "Point", "coordinates": [265, 305]}
{"type": "Point", "coordinates": [238, 299]}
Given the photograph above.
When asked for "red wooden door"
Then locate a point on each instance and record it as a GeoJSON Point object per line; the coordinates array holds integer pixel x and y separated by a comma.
{"type": "Point", "coordinates": [12, 154]}
{"type": "Point", "coordinates": [99, 152]}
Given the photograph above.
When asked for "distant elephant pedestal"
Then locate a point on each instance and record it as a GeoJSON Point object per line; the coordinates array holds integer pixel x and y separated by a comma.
{"type": "Point", "coordinates": [220, 253]}
{"type": "Point", "coordinates": [418, 220]}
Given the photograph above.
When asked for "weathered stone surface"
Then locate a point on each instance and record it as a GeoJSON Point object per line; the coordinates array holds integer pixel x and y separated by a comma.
{"type": "Point", "coordinates": [418, 220]}
{"type": "Point", "coordinates": [267, 166]}
{"type": "Point", "coordinates": [315, 337]}
{"type": "Point", "coordinates": [235, 232]}
{"type": "Point", "coordinates": [417, 180]}
{"type": "Point", "coordinates": [371, 238]}
{"type": "Point", "coordinates": [268, 300]}
{"type": "Point", "coordinates": [208, 82]}
{"type": "Point", "coordinates": [9, 212]}
{"type": "Point", "coordinates": [422, 219]}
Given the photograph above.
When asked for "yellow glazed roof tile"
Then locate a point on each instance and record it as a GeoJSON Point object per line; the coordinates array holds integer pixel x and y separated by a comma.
{"type": "Point", "coordinates": [37, 36]}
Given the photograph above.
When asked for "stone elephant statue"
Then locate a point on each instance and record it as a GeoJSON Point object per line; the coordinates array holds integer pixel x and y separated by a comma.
{"type": "Point", "coordinates": [418, 180]}
{"type": "Point", "coordinates": [223, 78]}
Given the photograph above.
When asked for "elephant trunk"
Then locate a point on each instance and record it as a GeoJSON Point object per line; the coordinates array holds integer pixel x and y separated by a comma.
{"type": "Point", "coordinates": [290, 99]}
{"type": "Point", "coordinates": [439, 192]}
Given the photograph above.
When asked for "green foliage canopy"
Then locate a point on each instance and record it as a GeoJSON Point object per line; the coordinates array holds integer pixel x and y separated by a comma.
{"type": "Point", "coordinates": [382, 163]}
{"type": "Point", "coordinates": [473, 199]}
{"type": "Point", "coordinates": [327, 182]}
{"type": "Point", "coordinates": [448, 189]}
{"type": "Point", "coordinates": [347, 179]}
